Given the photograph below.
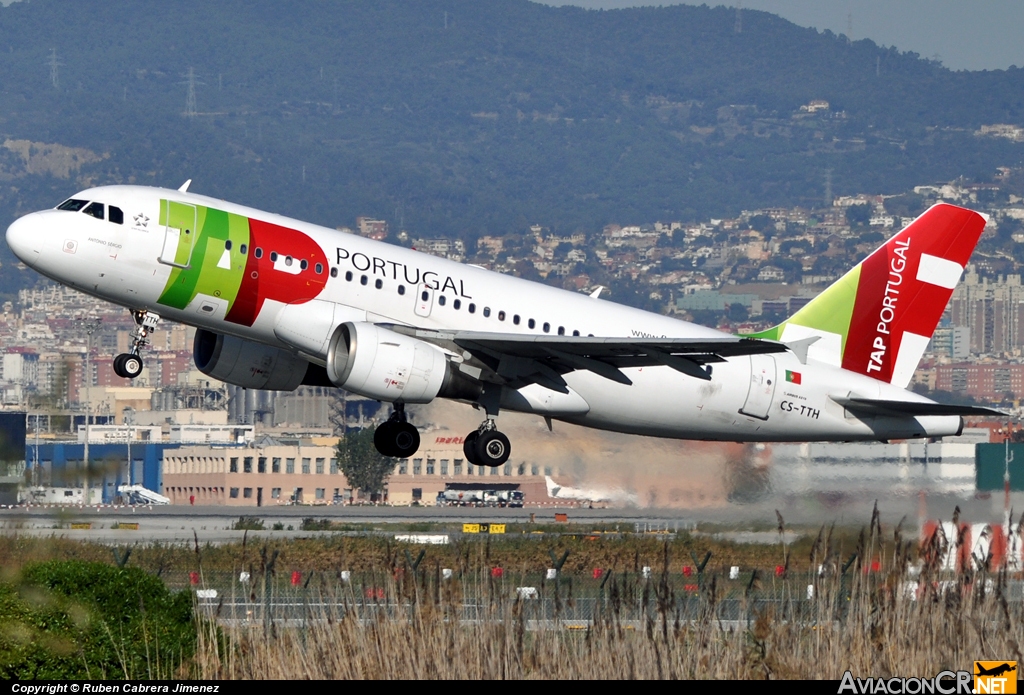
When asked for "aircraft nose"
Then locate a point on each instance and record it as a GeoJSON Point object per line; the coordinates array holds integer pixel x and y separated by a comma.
{"type": "Point", "coordinates": [23, 238]}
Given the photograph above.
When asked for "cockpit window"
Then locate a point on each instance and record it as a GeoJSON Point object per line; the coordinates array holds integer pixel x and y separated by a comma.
{"type": "Point", "coordinates": [115, 214]}
{"type": "Point", "coordinates": [73, 204]}
{"type": "Point", "coordinates": [94, 210]}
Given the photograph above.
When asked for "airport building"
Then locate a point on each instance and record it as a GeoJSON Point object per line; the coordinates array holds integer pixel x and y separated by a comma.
{"type": "Point", "coordinates": [277, 471]}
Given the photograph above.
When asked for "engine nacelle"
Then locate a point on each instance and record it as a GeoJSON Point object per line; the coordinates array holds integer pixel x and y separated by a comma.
{"type": "Point", "coordinates": [384, 365]}
{"type": "Point", "coordinates": [247, 364]}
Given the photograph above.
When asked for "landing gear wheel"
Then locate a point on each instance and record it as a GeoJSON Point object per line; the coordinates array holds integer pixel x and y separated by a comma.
{"type": "Point", "coordinates": [127, 366]}
{"type": "Point", "coordinates": [469, 447]}
{"type": "Point", "coordinates": [396, 439]}
{"type": "Point", "coordinates": [405, 440]}
{"type": "Point", "coordinates": [383, 438]}
{"type": "Point", "coordinates": [492, 448]}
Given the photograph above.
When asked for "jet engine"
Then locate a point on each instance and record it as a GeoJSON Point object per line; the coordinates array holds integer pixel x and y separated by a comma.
{"type": "Point", "coordinates": [247, 364]}
{"type": "Point", "coordinates": [378, 363]}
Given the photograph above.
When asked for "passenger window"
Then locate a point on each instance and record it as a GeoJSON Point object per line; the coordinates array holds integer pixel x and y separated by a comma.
{"type": "Point", "coordinates": [561, 330]}
{"type": "Point", "coordinates": [501, 315]}
{"type": "Point", "coordinates": [334, 272]}
{"type": "Point", "coordinates": [487, 311]}
{"type": "Point", "coordinates": [72, 205]}
{"type": "Point", "coordinates": [304, 264]}
{"type": "Point", "coordinates": [425, 296]}
{"type": "Point", "coordinates": [258, 252]}
{"type": "Point", "coordinates": [273, 256]}
{"type": "Point", "coordinates": [515, 319]}
{"type": "Point", "coordinates": [115, 214]}
{"type": "Point", "coordinates": [319, 268]}
{"type": "Point", "coordinates": [547, 327]}
{"type": "Point", "coordinates": [288, 262]}
{"type": "Point", "coordinates": [94, 210]}
{"type": "Point", "coordinates": [472, 308]}
{"type": "Point", "coordinates": [531, 323]}
{"type": "Point", "coordinates": [576, 333]}
{"type": "Point", "coordinates": [348, 275]}
{"type": "Point", "coordinates": [363, 280]}
{"type": "Point", "coordinates": [227, 245]}
{"type": "Point", "coordinates": [242, 249]}
{"type": "Point", "coordinates": [441, 300]}
{"type": "Point", "coordinates": [401, 289]}
{"type": "Point", "coordinates": [379, 283]}
{"type": "Point", "coordinates": [457, 304]}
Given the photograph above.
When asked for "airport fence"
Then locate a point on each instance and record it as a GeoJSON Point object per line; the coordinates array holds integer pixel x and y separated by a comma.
{"type": "Point", "coordinates": [551, 597]}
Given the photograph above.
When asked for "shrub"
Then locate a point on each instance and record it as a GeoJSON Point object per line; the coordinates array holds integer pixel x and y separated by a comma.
{"type": "Point", "coordinates": [77, 620]}
{"type": "Point", "coordinates": [248, 523]}
{"type": "Point", "coordinates": [311, 524]}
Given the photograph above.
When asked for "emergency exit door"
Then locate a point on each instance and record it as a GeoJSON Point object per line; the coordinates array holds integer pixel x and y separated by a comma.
{"type": "Point", "coordinates": [424, 300]}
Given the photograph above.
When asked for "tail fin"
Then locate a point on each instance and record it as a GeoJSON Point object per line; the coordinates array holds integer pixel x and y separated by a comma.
{"type": "Point", "coordinates": [878, 318]}
{"type": "Point", "coordinates": [552, 486]}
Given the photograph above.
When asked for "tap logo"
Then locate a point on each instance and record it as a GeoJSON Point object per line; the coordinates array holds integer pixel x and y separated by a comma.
{"type": "Point", "coordinates": [995, 677]}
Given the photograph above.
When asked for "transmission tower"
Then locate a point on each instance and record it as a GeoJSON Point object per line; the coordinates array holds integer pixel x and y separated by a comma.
{"type": "Point", "coordinates": [828, 187]}
{"type": "Point", "coordinates": [336, 411]}
{"type": "Point", "coordinates": [190, 98]}
{"type": "Point", "coordinates": [849, 28]}
{"type": "Point", "coordinates": [54, 64]}
{"type": "Point", "coordinates": [738, 28]}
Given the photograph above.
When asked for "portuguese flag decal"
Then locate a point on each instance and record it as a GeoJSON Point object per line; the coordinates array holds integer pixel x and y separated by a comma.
{"type": "Point", "coordinates": [793, 377]}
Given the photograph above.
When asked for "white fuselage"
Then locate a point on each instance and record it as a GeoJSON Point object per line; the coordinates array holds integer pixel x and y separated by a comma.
{"type": "Point", "coordinates": [121, 263]}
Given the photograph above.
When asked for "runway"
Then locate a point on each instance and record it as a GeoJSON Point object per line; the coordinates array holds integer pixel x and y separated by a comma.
{"type": "Point", "coordinates": [170, 524]}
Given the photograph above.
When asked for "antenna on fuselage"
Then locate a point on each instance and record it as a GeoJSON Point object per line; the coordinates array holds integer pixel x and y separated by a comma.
{"type": "Point", "coordinates": [184, 187]}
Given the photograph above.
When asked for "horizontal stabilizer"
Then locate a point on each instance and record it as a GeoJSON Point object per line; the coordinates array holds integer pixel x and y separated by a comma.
{"type": "Point", "coordinates": [871, 406]}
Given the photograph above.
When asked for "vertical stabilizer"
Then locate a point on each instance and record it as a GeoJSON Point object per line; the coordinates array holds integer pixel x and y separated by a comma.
{"type": "Point", "coordinates": [878, 318]}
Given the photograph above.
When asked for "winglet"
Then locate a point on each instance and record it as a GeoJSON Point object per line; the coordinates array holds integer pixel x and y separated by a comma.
{"type": "Point", "coordinates": [596, 294]}
{"type": "Point", "coordinates": [184, 187]}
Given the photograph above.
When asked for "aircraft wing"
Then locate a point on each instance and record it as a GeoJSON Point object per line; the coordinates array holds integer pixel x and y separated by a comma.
{"type": "Point", "coordinates": [872, 407]}
{"type": "Point", "coordinates": [522, 359]}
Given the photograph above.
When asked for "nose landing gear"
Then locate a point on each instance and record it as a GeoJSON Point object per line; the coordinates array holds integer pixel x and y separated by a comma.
{"type": "Point", "coordinates": [128, 365]}
{"type": "Point", "coordinates": [397, 437]}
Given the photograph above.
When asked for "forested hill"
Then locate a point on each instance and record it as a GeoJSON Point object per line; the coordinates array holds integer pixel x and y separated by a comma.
{"type": "Point", "coordinates": [460, 117]}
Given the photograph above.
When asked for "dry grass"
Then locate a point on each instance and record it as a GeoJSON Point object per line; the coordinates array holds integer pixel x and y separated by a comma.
{"type": "Point", "coordinates": [872, 623]}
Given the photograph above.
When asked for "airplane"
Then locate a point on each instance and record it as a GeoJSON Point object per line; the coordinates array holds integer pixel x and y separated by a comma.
{"type": "Point", "coordinates": [564, 492]}
{"type": "Point", "coordinates": [279, 303]}
{"type": "Point", "coordinates": [999, 670]}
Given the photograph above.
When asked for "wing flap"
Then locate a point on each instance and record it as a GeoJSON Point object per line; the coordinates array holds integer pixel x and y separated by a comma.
{"type": "Point", "coordinates": [519, 359]}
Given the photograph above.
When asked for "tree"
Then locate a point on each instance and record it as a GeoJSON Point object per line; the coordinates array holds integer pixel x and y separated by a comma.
{"type": "Point", "coordinates": [364, 467]}
{"type": "Point", "coordinates": [858, 215]}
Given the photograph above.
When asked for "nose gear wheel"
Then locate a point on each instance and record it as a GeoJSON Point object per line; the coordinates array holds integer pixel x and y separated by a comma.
{"type": "Point", "coordinates": [128, 365]}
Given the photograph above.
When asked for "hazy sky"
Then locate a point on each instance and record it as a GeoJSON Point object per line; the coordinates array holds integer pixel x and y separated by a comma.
{"type": "Point", "coordinates": [963, 34]}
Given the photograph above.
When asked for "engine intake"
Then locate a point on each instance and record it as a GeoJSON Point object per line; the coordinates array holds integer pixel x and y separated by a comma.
{"type": "Point", "coordinates": [387, 366]}
{"type": "Point", "coordinates": [246, 363]}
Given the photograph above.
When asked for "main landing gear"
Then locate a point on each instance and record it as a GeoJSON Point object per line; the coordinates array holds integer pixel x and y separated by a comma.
{"type": "Point", "coordinates": [487, 446]}
{"type": "Point", "coordinates": [128, 365]}
{"type": "Point", "coordinates": [397, 437]}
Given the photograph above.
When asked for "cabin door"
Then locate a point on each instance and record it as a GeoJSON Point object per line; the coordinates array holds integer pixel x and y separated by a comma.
{"type": "Point", "coordinates": [179, 232]}
{"type": "Point", "coordinates": [762, 387]}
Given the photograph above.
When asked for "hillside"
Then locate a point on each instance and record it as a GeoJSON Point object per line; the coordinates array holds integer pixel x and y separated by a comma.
{"type": "Point", "coordinates": [461, 118]}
